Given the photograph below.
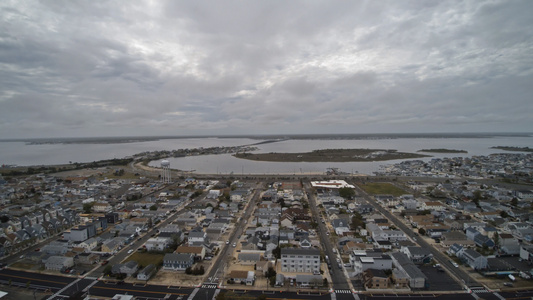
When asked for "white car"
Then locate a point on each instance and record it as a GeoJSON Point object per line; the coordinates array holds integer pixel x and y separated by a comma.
{"type": "Point", "coordinates": [130, 251]}
{"type": "Point", "coordinates": [234, 245]}
{"type": "Point", "coordinates": [227, 242]}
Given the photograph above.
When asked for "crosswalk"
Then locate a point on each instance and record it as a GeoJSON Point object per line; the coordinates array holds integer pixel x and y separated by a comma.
{"type": "Point", "coordinates": [343, 291]}
{"type": "Point", "coordinates": [482, 290]}
{"type": "Point", "coordinates": [209, 286]}
{"type": "Point", "coordinates": [479, 290]}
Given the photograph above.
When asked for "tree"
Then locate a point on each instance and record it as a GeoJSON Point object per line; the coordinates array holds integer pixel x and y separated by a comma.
{"type": "Point", "coordinates": [87, 208]}
{"type": "Point", "coordinates": [357, 221]}
{"type": "Point", "coordinates": [477, 195]}
{"type": "Point", "coordinates": [277, 252]}
{"type": "Point", "coordinates": [514, 202]}
{"type": "Point", "coordinates": [346, 193]}
{"type": "Point", "coordinates": [153, 207]}
{"type": "Point", "coordinates": [271, 272]}
{"type": "Point", "coordinates": [421, 231]}
{"type": "Point", "coordinates": [107, 270]}
{"type": "Point", "coordinates": [504, 214]}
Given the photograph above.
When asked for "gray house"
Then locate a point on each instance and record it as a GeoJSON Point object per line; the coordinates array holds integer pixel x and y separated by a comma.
{"type": "Point", "coordinates": [249, 258]}
{"type": "Point", "coordinates": [59, 262]}
{"type": "Point", "coordinates": [177, 262]}
{"type": "Point", "coordinates": [474, 259]}
{"type": "Point", "coordinates": [128, 268]}
{"type": "Point", "coordinates": [147, 273]}
{"type": "Point", "coordinates": [405, 266]}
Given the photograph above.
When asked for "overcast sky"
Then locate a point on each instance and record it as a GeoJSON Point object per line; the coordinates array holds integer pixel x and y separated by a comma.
{"type": "Point", "coordinates": [115, 68]}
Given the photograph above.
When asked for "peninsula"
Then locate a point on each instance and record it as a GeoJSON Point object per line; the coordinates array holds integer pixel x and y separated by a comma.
{"type": "Point", "coordinates": [331, 155]}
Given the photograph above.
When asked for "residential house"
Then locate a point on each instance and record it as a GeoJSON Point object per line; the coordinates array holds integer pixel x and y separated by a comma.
{"type": "Point", "coordinates": [89, 244]}
{"type": "Point", "coordinates": [128, 268]}
{"type": "Point", "coordinates": [433, 206]}
{"type": "Point", "coordinates": [78, 234]}
{"type": "Point", "coordinates": [177, 262]}
{"type": "Point", "coordinates": [158, 243]}
{"type": "Point", "coordinates": [249, 258]}
{"type": "Point", "coordinates": [375, 279]}
{"type": "Point", "coordinates": [417, 279]}
{"type": "Point", "coordinates": [58, 263]}
{"type": "Point", "coordinates": [526, 253]}
{"type": "Point", "coordinates": [197, 238]}
{"type": "Point", "coordinates": [455, 249]}
{"type": "Point", "coordinates": [247, 277]}
{"type": "Point", "coordinates": [418, 255]}
{"type": "Point", "coordinates": [300, 260]}
{"type": "Point", "coordinates": [88, 258]}
{"type": "Point", "coordinates": [304, 280]}
{"type": "Point", "coordinates": [341, 226]}
{"type": "Point", "coordinates": [362, 260]}
{"type": "Point", "coordinates": [102, 207]}
{"type": "Point", "coordinates": [474, 259]}
{"type": "Point", "coordinates": [55, 249]}
{"type": "Point", "coordinates": [112, 245]}
{"type": "Point", "coordinates": [508, 244]}
{"type": "Point", "coordinates": [197, 251]}
{"type": "Point", "coordinates": [147, 272]}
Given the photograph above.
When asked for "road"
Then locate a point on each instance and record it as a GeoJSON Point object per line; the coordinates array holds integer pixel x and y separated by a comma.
{"type": "Point", "coordinates": [338, 278]}
{"type": "Point", "coordinates": [154, 292]}
{"type": "Point", "coordinates": [220, 263]}
{"type": "Point", "coordinates": [437, 255]}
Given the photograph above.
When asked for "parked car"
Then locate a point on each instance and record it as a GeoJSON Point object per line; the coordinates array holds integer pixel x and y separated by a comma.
{"type": "Point", "coordinates": [105, 262]}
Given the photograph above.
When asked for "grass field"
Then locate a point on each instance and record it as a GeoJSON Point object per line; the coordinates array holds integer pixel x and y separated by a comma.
{"type": "Point", "coordinates": [146, 258]}
{"type": "Point", "coordinates": [377, 188]}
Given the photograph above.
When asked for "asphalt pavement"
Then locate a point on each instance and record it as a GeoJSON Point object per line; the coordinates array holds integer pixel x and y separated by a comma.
{"type": "Point", "coordinates": [437, 255]}
{"type": "Point", "coordinates": [338, 278]}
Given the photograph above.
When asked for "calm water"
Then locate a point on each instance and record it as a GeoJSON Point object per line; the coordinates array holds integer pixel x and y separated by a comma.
{"type": "Point", "coordinates": [23, 154]}
{"type": "Point", "coordinates": [225, 164]}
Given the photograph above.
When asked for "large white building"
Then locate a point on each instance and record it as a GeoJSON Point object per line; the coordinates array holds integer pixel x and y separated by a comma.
{"type": "Point", "coordinates": [331, 184]}
{"type": "Point", "coordinates": [300, 260]}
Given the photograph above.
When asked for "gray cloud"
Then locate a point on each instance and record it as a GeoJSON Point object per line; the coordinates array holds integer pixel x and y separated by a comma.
{"type": "Point", "coordinates": [78, 68]}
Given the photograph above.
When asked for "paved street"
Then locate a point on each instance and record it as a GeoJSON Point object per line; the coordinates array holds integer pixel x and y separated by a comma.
{"type": "Point", "coordinates": [338, 278]}
{"type": "Point", "coordinates": [437, 255]}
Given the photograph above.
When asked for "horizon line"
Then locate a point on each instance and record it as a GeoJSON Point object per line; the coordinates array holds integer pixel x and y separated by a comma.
{"type": "Point", "coordinates": [267, 135]}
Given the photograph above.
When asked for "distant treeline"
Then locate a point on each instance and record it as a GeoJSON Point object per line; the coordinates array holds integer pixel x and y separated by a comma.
{"type": "Point", "coordinates": [72, 166]}
{"type": "Point", "coordinates": [510, 148]}
{"type": "Point", "coordinates": [442, 150]}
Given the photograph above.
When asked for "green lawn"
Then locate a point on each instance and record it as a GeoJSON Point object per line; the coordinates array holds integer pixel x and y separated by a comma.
{"type": "Point", "coordinates": [146, 258]}
{"type": "Point", "coordinates": [378, 188]}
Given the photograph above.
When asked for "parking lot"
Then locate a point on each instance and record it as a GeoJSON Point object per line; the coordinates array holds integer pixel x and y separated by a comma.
{"type": "Point", "coordinates": [439, 281]}
{"type": "Point", "coordinates": [514, 262]}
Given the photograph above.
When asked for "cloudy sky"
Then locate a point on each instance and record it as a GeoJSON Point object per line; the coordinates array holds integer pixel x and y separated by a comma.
{"type": "Point", "coordinates": [115, 68]}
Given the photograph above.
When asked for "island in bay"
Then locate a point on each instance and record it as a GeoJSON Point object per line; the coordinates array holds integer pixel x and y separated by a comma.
{"type": "Point", "coordinates": [442, 150]}
{"type": "Point", "coordinates": [518, 149]}
{"type": "Point", "coordinates": [331, 155]}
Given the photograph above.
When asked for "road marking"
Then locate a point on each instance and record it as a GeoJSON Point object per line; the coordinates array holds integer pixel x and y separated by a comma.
{"type": "Point", "coordinates": [31, 279]}
{"type": "Point", "coordinates": [140, 291]}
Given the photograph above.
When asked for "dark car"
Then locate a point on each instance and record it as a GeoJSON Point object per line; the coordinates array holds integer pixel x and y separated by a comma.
{"type": "Point", "coordinates": [105, 262]}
